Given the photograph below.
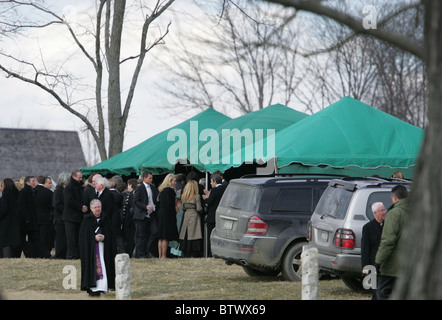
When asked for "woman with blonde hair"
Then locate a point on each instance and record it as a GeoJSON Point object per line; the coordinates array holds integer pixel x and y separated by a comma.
{"type": "Point", "coordinates": [190, 234]}
{"type": "Point", "coordinates": [167, 225]}
{"type": "Point", "coordinates": [398, 175]}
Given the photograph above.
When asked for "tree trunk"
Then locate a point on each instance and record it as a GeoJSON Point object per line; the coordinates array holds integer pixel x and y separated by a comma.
{"type": "Point", "coordinates": [116, 125]}
{"type": "Point", "coordinates": [420, 276]}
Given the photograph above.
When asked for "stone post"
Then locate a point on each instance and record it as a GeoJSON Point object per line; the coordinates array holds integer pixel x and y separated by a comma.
{"type": "Point", "coordinates": [310, 273]}
{"type": "Point", "coordinates": [122, 277]}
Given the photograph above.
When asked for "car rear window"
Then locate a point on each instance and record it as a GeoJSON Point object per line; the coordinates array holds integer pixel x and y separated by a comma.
{"type": "Point", "coordinates": [241, 197]}
{"type": "Point", "coordinates": [294, 200]}
{"type": "Point", "coordinates": [334, 203]}
{"type": "Point", "coordinates": [382, 196]}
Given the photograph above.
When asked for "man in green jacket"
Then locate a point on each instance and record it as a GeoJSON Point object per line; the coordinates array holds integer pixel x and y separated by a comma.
{"type": "Point", "coordinates": [387, 257]}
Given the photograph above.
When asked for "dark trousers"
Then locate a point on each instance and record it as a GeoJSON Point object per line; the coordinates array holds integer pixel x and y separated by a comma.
{"type": "Point", "coordinates": [72, 234]}
{"type": "Point", "coordinates": [145, 237]}
{"type": "Point", "coordinates": [385, 286]}
{"type": "Point", "coordinates": [129, 237]}
{"type": "Point", "coordinates": [32, 246]}
{"type": "Point", "coordinates": [46, 234]}
{"type": "Point", "coordinates": [60, 241]}
{"type": "Point", "coordinates": [210, 227]}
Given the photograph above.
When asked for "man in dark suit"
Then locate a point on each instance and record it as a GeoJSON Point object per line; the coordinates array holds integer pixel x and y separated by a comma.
{"type": "Point", "coordinates": [27, 210]}
{"type": "Point", "coordinates": [89, 191]}
{"type": "Point", "coordinates": [102, 193]}
{"type": "Point", "coordinates": [145, 203]}
{"type": "Point", "coordinates": [73, 212]}
{"type": "Point", "coordinates": [371, 237]}
{"type": "Point", "coordinates": [45, 212]}
{"type": "Point", "coordinates": [212, 199]}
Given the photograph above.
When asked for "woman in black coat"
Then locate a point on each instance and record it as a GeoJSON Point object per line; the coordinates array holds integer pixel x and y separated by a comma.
{"type": "Point", "coordinates": [58, 203]}
{"type": "Point", "coordinates": [9, 223]}
{"type": "Point", "coordinates": [167, 226]}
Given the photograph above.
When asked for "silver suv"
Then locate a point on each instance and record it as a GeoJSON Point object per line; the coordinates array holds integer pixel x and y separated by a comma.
{"type": "Point", "coordinates": [335, 227]}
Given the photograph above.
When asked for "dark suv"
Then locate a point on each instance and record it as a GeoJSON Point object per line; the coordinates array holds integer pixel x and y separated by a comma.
{"type": "Point", "coordinates": [262, 223]}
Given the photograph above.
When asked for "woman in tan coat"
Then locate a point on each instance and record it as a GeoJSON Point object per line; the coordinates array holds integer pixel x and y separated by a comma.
{"type": "Point", "coordinates": [190, 234]}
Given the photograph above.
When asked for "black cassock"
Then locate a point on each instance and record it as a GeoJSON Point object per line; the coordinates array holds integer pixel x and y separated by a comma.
{"type": "Point", "coordinates": [88, 252]}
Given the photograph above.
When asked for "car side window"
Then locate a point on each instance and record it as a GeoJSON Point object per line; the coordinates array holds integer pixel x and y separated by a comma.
{"type": "Point", "coordinates": [294, 200]}
{"type": "Point", "coordinates": [381, 196]}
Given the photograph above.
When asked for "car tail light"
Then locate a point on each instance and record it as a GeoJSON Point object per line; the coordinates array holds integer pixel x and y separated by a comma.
{"type": "Point", "coordinates": [256, 226]}
{"type": "Point", "coordinates": [345, 238]}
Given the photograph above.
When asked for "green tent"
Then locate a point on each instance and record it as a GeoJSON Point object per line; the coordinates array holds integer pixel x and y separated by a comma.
{"type": "Point", "coordinates": [161, 152]}
{"type": "Point", "coordinates": [349, 137]}
{"type": "Point", "coordinates": [239, 140]}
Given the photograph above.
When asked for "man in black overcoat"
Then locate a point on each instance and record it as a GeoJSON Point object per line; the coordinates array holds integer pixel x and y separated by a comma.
{"type": "Point", "coordinates": [96, 227]}
{"type": "Point", "coordinates": [45, 212]}
{"type": "Point", "coordinates": [371, 237]}
{"type": "Point", "coordinates": [212, 199]}
{"type": "Point", "coordinates": [27, 211]}
{"type": "Point", "coordinates": [73, 213]}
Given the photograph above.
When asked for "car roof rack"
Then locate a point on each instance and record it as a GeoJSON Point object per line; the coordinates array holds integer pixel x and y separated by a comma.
{"type": "Point", "coordinates": [349, 183]}
{"type": "Point", "coordinates": [276, 175]}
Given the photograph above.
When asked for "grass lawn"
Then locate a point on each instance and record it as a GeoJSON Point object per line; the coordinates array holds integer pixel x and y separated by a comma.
{"type": "Point", "coordinates": [165, 279]}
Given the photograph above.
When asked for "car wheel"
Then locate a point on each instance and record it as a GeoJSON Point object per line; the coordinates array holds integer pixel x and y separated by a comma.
{"type": "Point", "coordinates": [260, 273]}
{"type": "Point", "coordinates": [291, 262]}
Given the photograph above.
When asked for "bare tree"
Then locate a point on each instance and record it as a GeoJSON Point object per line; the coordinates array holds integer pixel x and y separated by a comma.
{"type": "Point", "coordinates": [344, 63]}
{"type": "Point", "coordinates": [21, 18]}
{"type": "Point", "coordinates": [348, 70]}
{"type": "Point", "coordinates": [232, 62]}
{"type": "Point", "coordinates": [421, 241]}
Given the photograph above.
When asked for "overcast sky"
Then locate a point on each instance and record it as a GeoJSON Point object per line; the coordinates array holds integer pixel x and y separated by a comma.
{"type": "Point", "coordinates": [26, 106]}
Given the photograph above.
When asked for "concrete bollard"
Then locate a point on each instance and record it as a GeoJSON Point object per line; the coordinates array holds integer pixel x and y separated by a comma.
{"type": "Point", "coordinates": [122, 277]}
{"type": "Point", "coordinates": [310, 273]}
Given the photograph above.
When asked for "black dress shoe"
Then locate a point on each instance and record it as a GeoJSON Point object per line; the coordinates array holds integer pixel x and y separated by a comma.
{"type": "Point", "coordinates": [94, 294]}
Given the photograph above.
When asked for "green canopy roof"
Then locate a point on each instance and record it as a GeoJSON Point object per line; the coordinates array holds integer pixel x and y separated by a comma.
{"type": "Point", "coordinates": [159, 153]}
{"type": "Point", "coordinates": [238, 138]}
{"type": "Point", "coordinates": [352, 136]}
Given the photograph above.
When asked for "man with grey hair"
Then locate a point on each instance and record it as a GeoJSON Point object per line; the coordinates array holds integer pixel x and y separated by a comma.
{"type": "Point", "coordinates": [102, 193]}
{"type": "Point", "coordinates": [371, 237]}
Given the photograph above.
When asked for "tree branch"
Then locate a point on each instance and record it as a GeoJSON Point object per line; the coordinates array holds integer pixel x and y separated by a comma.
{"type": "Point", "coordinates": [157, 11]}
{"type": "Point", "coordinates": [396, 39]}
{"type": "Point", "coordinates": [53, 94]}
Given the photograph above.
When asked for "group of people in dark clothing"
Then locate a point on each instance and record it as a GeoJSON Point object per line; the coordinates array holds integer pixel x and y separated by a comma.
{"type": "Point", "coordinates": [97, 219]}
{"type": "Point", "coordinates": [26, 219]}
